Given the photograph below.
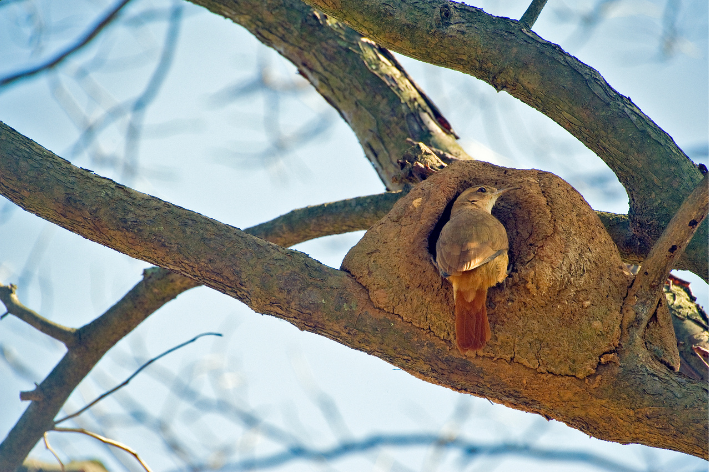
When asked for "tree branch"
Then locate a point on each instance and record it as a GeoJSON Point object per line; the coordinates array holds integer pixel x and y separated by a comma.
{"type": "Point", "coordinates": [158, 287]}
{"type": "Point", "coordinates": [313, 222]}
{"type": "Point", "coordinates": [647, 287]}
{"type": "Point", "coordinates": [65, 335]}
{"type": "Point", "coordinates": [131, 377]}
{"type": "Point", "coordinates": [530, 16]}
{"type": "Point", "coordinates": [656, 174]}
{"type": "Point", "coordinates": [59, 58]}
{"type": "Point", "coordinates": [288, 284]}
{"type": "Point", "coordinates": [362, 80]}
{"type": "Point", "coordinates": [108, 441]}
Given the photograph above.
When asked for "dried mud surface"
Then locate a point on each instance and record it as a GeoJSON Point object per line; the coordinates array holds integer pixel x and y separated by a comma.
{"type": "Point", "coordinates": [559, 309]}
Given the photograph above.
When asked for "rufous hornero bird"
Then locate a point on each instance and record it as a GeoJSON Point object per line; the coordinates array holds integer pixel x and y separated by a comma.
{"type": "Point", "coordinates": [471, 253]}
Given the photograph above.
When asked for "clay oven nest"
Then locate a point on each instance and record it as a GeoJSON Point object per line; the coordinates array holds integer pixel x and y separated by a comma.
{"type": "Point", "coordinates": [559, 309]}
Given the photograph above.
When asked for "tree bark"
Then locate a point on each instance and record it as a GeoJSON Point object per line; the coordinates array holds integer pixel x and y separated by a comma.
{"type": "Point", "coordinates": [361, 80]}
{"type": "Point", "coordinates": [656, 174]}
{"type": "Point", "coordinates": [634, 400]}
{"type": "Point", "coordinates": [630, 397]}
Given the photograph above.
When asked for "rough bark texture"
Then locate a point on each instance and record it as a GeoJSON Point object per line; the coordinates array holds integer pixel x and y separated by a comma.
{"type": "Point", "coordinates": [657, 175]}
{"type": "Point", "coordinates": [550, 323]}
{"type": "Point", "coordinates": [631, 397]}
{"type": "Point", "coordinates": [361, 80]}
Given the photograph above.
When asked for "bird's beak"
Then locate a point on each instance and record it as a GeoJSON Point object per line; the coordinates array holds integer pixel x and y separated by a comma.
{"type": "Point", "coordinates": [502, 191]}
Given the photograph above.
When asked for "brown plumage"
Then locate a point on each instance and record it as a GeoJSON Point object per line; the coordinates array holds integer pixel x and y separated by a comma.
{"type": "Point", "coordinates": [471, 253]}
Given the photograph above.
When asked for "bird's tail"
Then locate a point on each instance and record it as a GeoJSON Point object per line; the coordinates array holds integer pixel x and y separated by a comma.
{"type": "Point", "coordinates": [472, 330]}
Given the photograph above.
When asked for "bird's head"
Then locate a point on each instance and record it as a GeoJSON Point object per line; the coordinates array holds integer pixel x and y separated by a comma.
{"type": "Point", "coordinates": [479, 196]}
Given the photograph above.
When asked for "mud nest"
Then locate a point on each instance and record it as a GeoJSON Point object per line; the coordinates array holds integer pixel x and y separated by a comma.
{"type": "Point", "coordinates": [559, 309]}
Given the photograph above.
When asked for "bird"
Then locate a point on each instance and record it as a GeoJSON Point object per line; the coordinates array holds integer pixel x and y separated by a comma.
{"type": "Point", "coordinates": [471, 253]}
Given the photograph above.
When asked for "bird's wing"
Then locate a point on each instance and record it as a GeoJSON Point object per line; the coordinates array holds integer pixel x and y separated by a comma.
{"type": "Point", "coordinates": [469, 240]}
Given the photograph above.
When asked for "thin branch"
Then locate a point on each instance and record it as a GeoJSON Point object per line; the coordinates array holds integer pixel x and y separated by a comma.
{"type": "Point", "coordinates": [312, 222]}
{"type": "Point", "coordinates": [8, 296]}
{"type": "Point", "coordinates": [86, 39]}
{"type": "Point", "coordinates": [127, 381]}
{"type": "Point", "coordinates": [50, 449]}
{"type": "Point", "coordinates": [530, 16]}
{"type": "Point", "coordinates": [158, 287]}
{"type": "Point", "coordinates": [646, 290]}
{"type": "Point", "coordinates": [105, 440]}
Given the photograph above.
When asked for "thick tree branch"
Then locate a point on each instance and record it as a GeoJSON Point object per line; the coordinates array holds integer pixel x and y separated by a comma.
{"type": "Point", "coordinates": [159, 286]}
{"type": "Point", "coordinates": [8, 297]}
{"type": "Point", "coordinates": [316, 298]}
{"type": "Point", "coordinates": [363, 81]}
{"type": "Point", "coordinates": [657, 175]}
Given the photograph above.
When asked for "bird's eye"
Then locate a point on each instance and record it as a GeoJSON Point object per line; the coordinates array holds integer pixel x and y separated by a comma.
{"type": "Point", "coordinates": [482, 190]}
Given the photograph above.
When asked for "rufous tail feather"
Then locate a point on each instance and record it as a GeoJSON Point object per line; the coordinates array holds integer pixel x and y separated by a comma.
{"type": "Point", "coordinates": [472, 330]}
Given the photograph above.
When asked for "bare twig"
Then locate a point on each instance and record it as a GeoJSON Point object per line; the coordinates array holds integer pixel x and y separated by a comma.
{"type": "Point", "coordinates": [8, 296]}
{"type": "Point", "coordinates": [104, 440]}
{"type": "Point", "coordinates": [50, 449]}
{"type": "Point", "coordinates": [646, 290]}
{"type": "Point", "coordinates": [127, 381]}
{"type": "Point", "coordinates": [86, 39]}
{"type": "Point", "coordinates": [530, 16]}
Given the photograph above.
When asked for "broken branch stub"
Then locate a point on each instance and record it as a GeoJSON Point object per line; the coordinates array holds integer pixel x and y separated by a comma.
{"type": "Point", "coordinates": [559, 309]}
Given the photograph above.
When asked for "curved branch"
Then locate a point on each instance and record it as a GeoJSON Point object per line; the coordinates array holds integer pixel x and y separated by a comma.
{"type": "Point", "coordinates": [304, 224]}
{"type": "Point", "coordinates": [363, 81]}
{"type": "Point", "coordinates": [108, 441]}
{"type": "Point", "coordinates": [657, 175]}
